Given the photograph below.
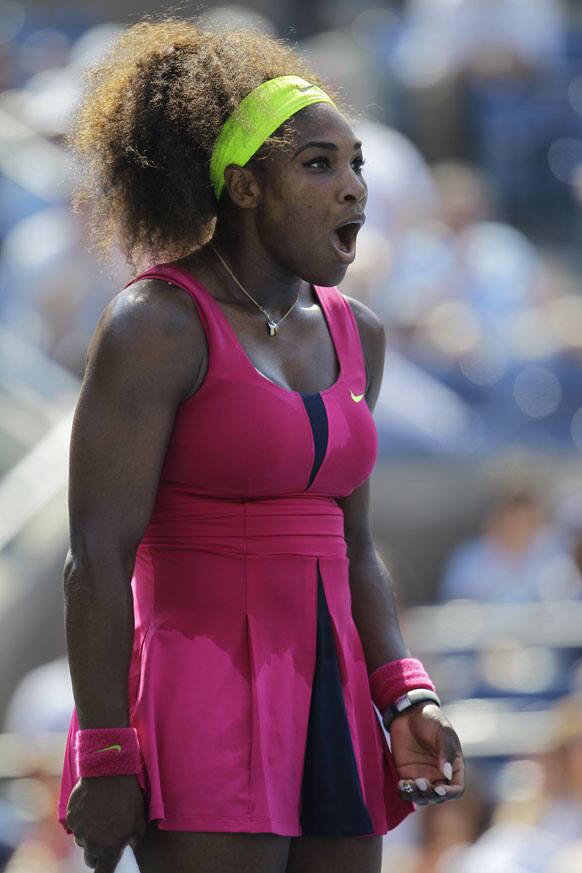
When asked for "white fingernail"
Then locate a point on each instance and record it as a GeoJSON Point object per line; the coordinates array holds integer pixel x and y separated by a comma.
{"type": "Point", "coordinates": [448, 770]}
{"type": "Point", "coordinates": [422, 784]}
{"type": "Point", "coordinates": [441, 790]}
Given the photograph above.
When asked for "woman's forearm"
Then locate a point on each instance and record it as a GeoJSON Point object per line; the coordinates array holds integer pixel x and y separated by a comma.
{"type": "Point", "coordinates": [99, 627]}
{"type": "Point", "coordinates": [374, 609]}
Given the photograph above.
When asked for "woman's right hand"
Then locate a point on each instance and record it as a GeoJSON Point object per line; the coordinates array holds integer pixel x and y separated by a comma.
{"type": "Point", "coordinates": [106, 813]}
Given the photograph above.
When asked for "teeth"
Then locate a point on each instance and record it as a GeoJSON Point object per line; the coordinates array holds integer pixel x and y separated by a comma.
{"type": "Point", "coordinates": [340, 243]}
{"type": "Point", "coordinates": [345, 235]}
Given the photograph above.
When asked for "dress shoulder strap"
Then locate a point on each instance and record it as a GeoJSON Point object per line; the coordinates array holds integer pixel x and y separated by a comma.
{"type": "Point", "coordinates": [184, 280]}
{"type": "Point", "coordinates": [214, 323]}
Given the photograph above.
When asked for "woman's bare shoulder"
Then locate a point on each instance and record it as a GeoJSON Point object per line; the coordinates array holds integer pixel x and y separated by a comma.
{"type": "Point", "coordinates": [366, 318]}
{"type": "Point", "coordinates": [152, 307]}
{"type": "Point", "coordinates": [150, 324]}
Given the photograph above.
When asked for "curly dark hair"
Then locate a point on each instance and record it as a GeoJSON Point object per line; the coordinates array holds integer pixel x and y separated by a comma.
{"type": "Point", "coordinates": [144, 131]}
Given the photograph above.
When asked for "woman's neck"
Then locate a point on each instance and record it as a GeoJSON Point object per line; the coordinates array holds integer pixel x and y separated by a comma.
{"type": "Point", "coordinates": [271, 286]}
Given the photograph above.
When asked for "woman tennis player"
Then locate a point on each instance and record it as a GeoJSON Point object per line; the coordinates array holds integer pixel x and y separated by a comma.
{"type": "Point", "coordinates": [229, 623]}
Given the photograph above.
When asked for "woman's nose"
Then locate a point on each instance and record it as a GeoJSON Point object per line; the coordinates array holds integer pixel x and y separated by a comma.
{"type": "Point", "coordinates": [354, 189]}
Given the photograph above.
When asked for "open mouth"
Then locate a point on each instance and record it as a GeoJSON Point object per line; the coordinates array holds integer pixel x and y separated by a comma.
{"type": "Point", "coordinates": [345, 237]}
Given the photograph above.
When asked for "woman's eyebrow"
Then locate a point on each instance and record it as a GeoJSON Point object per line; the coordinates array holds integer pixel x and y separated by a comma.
{"type": "Point", "coordinates": [330, 146]}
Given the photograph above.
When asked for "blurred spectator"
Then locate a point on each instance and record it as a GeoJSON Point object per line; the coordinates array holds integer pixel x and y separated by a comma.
{"type": "Point", "coordinates": [450, 47]}
{"type": "Point", "coordinates": [486, 80]}
{"type": "Point", "coordinates": [401, 188]}
{"type": "Point", "coordinates": [42, 701]}
{"type": "Point", "coordinates": [569, 520]}
{"type": "Point", "coordinates": [466, 194]}
{"type": "Point", "coordinates": [443, 833]}
{"type": "Point", "coordinates": [52, 290]}
{"type": "Point", "coordinates": [401, 194]}
{"type": "Point", "coordinates": [40, 707]}
{"type": "Point", "coordinates": [455, 247]}
{"type": "Point", "coordinates": [8, 837]}
{"type": "Point", "coordinates": [470, 300]}
{"type": "Point", "coordinates": [518, 558]}
{"type": "Point", "coordinates": [337, 59]}
{"type": "Point", "coordinates": [487, 38]}
{"type": "Point", "coordinates": [541, 830]}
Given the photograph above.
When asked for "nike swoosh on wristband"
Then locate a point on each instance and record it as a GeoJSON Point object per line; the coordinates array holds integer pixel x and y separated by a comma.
{"type": "Point", "coordinates": [356, 397]}
{"type": "Point", "coordinates": [115, 746]}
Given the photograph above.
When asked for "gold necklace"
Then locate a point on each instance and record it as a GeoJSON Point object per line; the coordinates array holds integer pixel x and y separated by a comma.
{"type": "Point", "coordinates": [273, 326]}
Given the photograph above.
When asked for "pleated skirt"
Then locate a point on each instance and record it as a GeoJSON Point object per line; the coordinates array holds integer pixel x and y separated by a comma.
{"type": "Point", "coordinates": [248, 685]}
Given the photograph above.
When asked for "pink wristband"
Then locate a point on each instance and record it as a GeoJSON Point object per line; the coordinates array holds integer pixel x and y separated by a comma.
{"type": "Point", "coordinates": [392, 680]}
{"type": "Point", "coordinates": [108, 752]}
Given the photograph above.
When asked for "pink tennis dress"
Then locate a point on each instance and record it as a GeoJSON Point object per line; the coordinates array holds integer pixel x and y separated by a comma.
{"type": "Point", "coordinates": [248, 685]}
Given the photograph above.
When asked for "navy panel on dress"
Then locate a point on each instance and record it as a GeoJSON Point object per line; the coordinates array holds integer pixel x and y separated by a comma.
{"type": "Point", "coordinates": [317, 413]}
{"type": "Point", "coordinates": [332, 804]}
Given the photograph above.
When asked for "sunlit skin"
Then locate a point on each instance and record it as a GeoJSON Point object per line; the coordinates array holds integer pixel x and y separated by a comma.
{"type": "Point", "coordinates": [276, 231]}
{"type": "Point", "coordinates": [309, 189]}
{"type": "Point", "coordinates": [283, 207]}
{"type": "Point", "coordinates": [309, 192]}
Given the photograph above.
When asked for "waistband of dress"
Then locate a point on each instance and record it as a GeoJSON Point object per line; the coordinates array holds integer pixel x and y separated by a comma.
{"type": "Point", "coordinates": [302, 524]}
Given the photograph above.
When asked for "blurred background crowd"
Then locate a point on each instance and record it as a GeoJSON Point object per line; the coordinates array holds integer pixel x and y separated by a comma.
{"type": "Point", "coordinates": [470, 112]}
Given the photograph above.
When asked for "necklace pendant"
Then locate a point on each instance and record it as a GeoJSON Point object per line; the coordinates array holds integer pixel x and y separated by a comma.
{"type": "Point", "coordinates": [272, 325]}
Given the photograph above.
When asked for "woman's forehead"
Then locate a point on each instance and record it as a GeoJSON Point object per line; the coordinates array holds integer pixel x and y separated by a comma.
{"type": "Point", "coordinates": [321, 122]}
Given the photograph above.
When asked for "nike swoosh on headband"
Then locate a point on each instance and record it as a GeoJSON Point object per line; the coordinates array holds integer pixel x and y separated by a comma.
{"type": "Point", "coordinates": [356, 397]}
{"type": "Point", "coordinates": [115, 746]}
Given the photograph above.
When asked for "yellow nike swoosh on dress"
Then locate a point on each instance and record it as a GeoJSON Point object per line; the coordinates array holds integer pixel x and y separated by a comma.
{"type": "Point", "coordinates": [115, 746]}
{"type": "Point", "coordinates": [356, 397]}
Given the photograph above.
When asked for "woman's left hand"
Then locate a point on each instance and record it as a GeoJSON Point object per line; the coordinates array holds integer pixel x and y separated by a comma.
{"type": "Point", "coordinates": [427, 754]}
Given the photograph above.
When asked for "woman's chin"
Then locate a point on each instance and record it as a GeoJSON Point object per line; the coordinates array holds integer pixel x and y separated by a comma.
{"type": "Point", "coordinates": [327, 276]}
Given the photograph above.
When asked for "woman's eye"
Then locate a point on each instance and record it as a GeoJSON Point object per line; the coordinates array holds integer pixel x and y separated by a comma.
{"type": "Point", "coordinates": [323, 162]}
{"type": "Point", "coordinates": [319, 163]}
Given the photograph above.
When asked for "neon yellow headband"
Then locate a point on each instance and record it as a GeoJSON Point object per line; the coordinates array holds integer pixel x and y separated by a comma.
{"type": "Point", "coordinates": [256, 118]}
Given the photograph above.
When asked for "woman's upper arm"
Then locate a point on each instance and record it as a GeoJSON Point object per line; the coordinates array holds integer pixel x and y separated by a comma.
{"type": "Point", "coordinates": [140, 365]}
{"type": "Point", "coordinates": [356, 506]}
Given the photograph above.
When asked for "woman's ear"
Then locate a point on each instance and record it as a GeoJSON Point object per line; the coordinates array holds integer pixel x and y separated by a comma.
{"type": "Point", "coordinates": [242, 186]}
